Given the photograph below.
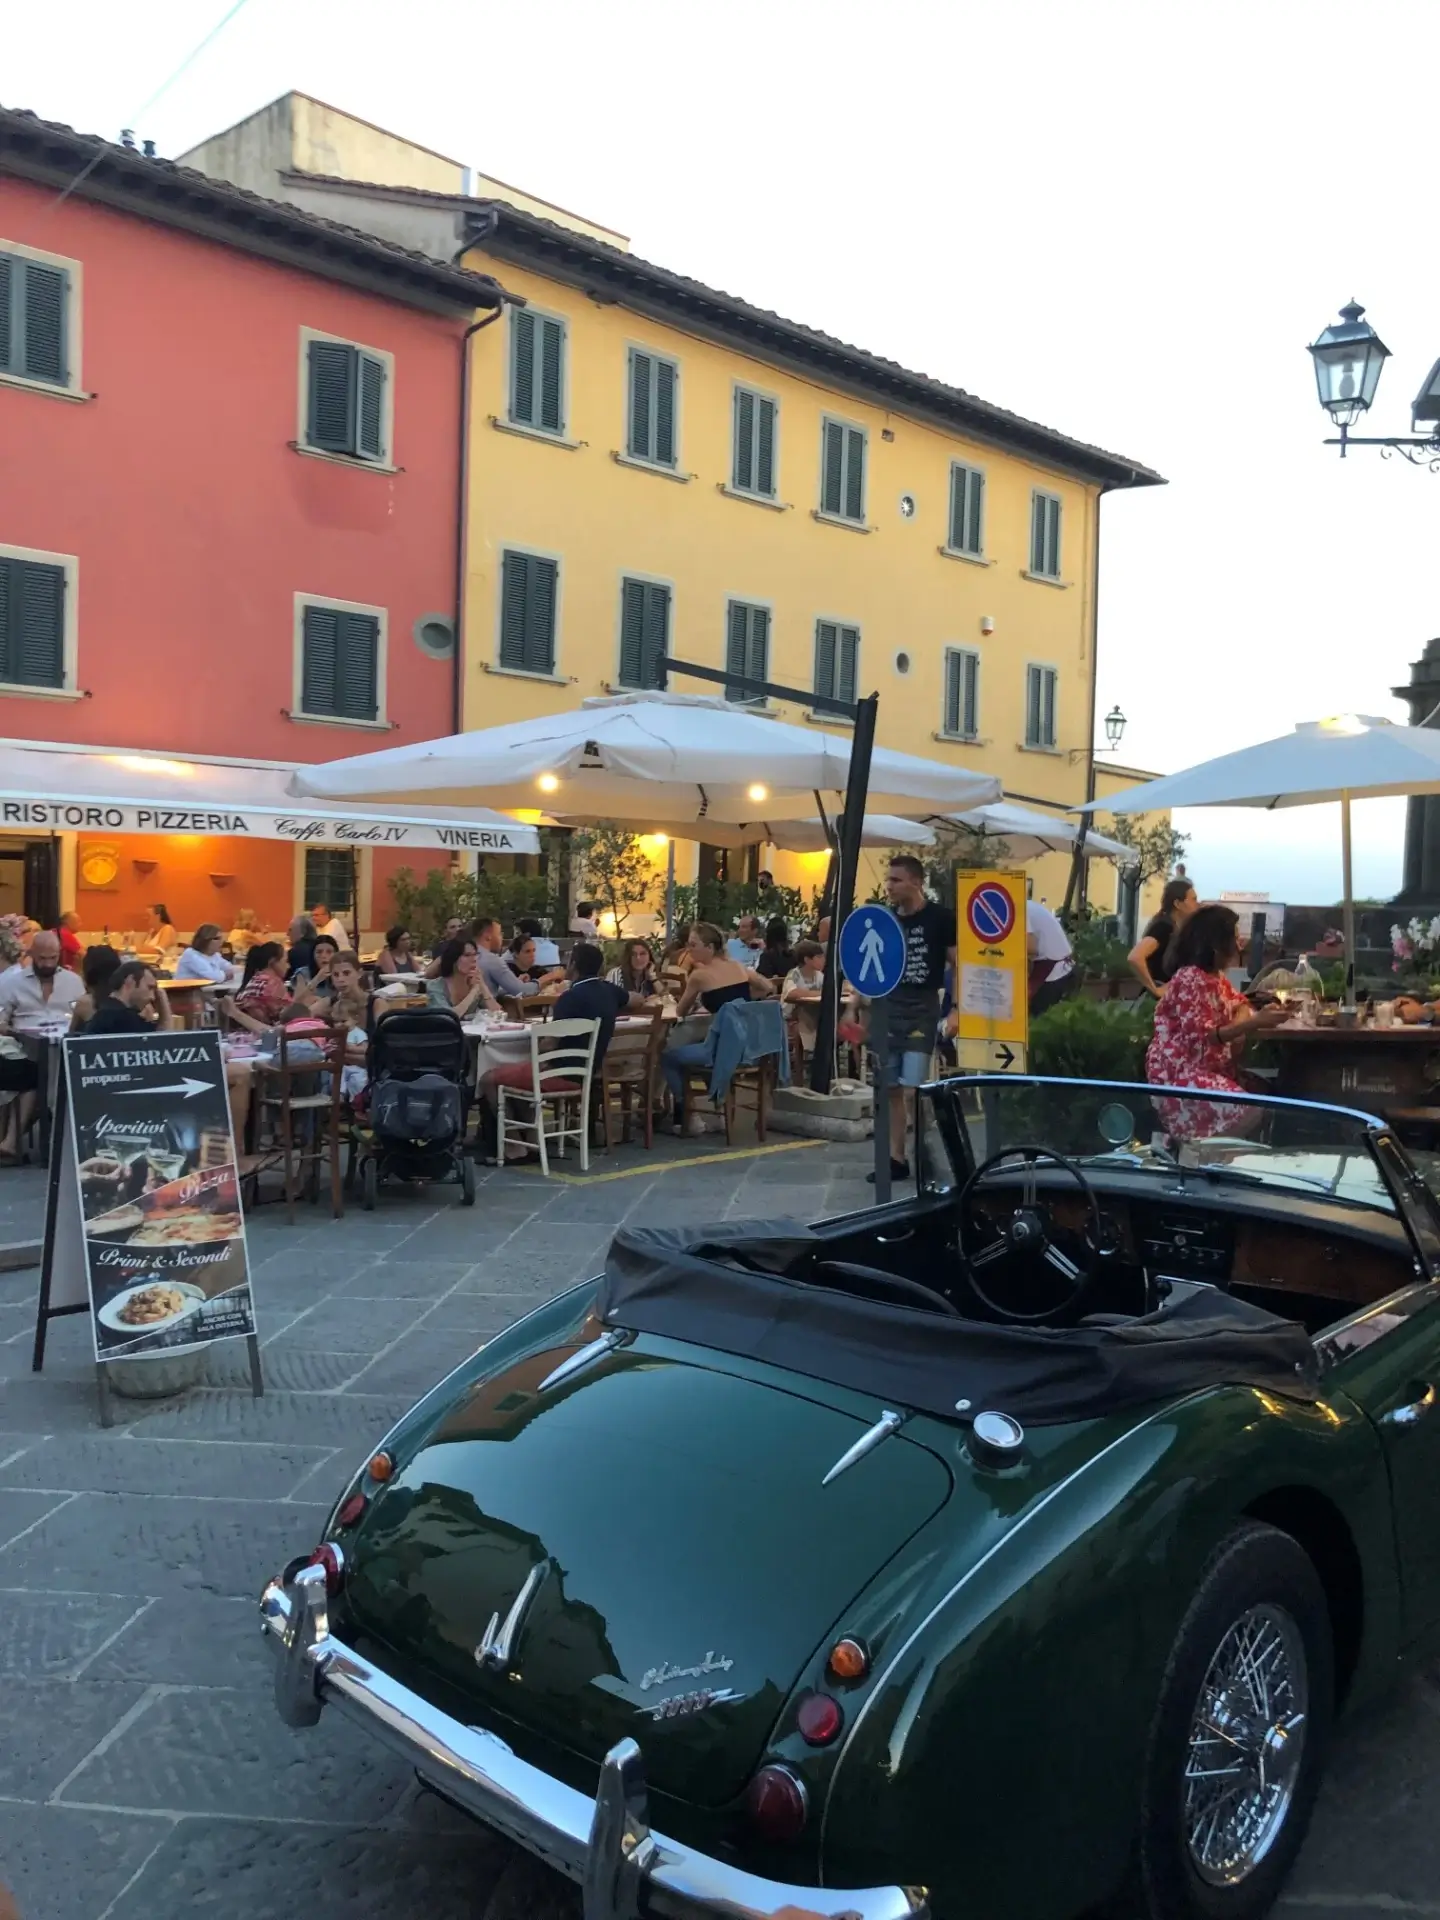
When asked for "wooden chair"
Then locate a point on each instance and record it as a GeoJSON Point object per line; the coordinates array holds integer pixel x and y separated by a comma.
{"type": "Point", "coordinates": [559, 1092]}
{"type": "Point", "coordinates": [288, 1088]}
{"type": "Point", "coordinates": [631, 1067]}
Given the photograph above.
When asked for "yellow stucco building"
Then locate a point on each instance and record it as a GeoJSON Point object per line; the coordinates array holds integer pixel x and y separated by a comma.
{"type": "Point", "coordinates": [652, 464]}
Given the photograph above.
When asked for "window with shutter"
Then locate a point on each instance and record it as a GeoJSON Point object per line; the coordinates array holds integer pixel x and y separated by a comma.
{"type": "Point", "coordinates": [527, 612]}
{"type": "Point", "coordinates": [962, 690]}
{"type": "Point", "coordinates": [537, 370]}
{"type": "Point", "coordinates": [32, 623]}
{"type": "Point", "coordinates": [842, 472]}
{"type": "Point", "coordinates": [644, 631]}
{"type": "Point", "coordinates": [1040, 693]}
{"type": "Point", "coordinates": [340, 664]}
{"type": "Point", "coordinates": [1045, 535]}
{"type": "Point", "coordinates": [967, 510]}
{"type": "Point", "coordinates": [330, 876]}
{"type": "Point", "coordinates": [837, 653]}
{"type": "Point", "coordinates": [653, 383]}
{"type": "Point", "coordinates": [747, 646]}
{"type": "Point", "coordinates": [752, 469]}
{"type": "Point", "coordinates": [34, 319]}
{"type": "Point", "coordinates": [345, 400]}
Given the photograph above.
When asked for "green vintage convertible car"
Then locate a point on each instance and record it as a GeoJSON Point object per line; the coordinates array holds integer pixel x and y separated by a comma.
{"type": "Point", "coordinates": [991, 1555]}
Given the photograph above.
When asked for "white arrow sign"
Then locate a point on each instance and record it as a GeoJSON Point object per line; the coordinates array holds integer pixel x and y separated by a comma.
{"type": "Point", "coordinates": [186, 1086]}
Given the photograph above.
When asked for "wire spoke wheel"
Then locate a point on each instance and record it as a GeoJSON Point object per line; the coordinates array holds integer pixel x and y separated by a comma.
{"type": "Point", "coordinates": [1247, 1738]}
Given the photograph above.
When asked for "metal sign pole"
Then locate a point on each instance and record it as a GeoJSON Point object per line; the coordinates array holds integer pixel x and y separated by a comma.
{"type": "Point", "coordinates": [880, 1050]}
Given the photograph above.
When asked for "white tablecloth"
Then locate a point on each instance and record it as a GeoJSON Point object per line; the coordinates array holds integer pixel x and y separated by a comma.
{"type": "Point", "coordinates": [503, 1049]}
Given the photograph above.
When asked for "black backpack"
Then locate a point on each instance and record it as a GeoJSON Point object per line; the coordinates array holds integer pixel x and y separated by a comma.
{"type": "Point", "coordinates": [426, 1111]}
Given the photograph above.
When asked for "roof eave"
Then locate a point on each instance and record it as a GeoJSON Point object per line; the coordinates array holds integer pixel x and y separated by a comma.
{"type": "Point", "coordinates": [525, 241]}
{"type": "Point", "coordinates": [183, 199]}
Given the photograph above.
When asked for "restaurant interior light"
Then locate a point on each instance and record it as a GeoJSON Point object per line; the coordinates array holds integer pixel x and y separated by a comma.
{"type": "Point", "coordinates": [548, 783]}
{"type": "Point", "coordinates": [757, 792]}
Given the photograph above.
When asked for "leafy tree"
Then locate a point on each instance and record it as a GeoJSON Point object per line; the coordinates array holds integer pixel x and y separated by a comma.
{"type": "Point", "coordinates": [424, 905]}
{"type": "Point", "coordinates": [1159, 846]}
{"type": "Point", "coordinates": [616, 870]}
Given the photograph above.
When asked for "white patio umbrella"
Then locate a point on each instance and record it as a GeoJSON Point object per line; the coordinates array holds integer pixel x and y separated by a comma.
{"type": "Point", "coordinates": [642, 757]}
{"type": "Point", "coordinates": [1347, 757]}
{"type": "Point", "coordinates": [789, 836]}
{"type": "Point", "coordinates": [1029, 834]}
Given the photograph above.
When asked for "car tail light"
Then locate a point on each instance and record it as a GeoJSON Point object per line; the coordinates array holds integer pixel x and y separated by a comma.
{"type": "Point", "coordinates": [820, 1719]}
{"type": "Point", "coordinates": [332, 1560]}
{"type": "Point", "coordinates": [351, 1511]}
{"type": "Point", "coordinates": [849, 1660]}
{"type": "Point", "coordinates": [776, 1803]}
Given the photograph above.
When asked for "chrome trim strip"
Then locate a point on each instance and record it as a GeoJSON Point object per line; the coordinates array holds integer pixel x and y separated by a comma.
{"type": "Point", "coordinates": [477, 1771]}
{"type": "Point", "coordinates": [880, 1681]}
{"type": "Point", "coordinates": [887, 1424]}
{"type": "Point", "coordinates": [586, 1356]}
{"type": "Point", "coordinates": [497, 1643]}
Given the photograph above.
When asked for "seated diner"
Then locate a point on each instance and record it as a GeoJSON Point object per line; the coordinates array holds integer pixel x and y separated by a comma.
{"type": "Point", "coordinates": [1202, 1025]}
{"type": "Point", "coordinates": [801, 992]}
{"type": "Point", "coordinates": [201, 959]}
{"type": "Point", "coordinates": [263, 991]}
{"type": "Point", "coordinates": [460, 987]}
{"type": "Point", "coordinates": [97, 969]}
{"type": "Point", "coordinates": [396, 956]}
{"type": "Point", "coordinates": [134, 1003]}
{"type": "Point", "coordinates": [713, 980]}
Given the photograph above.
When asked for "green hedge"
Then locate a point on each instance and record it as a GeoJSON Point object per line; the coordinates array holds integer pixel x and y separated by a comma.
{"type": "Point", "coordinates": [1093, 1039]}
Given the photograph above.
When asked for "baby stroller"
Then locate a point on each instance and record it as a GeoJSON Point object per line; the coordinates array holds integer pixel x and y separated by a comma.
{"type": "Point", "coordinates": [418, 1101]}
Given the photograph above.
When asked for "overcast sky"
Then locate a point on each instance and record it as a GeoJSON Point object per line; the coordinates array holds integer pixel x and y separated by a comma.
{"type": "Point", "coordinates": [1124, 220]}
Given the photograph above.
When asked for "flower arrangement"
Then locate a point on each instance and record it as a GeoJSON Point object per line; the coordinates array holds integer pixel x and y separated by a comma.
{"type": "Point", "coordinates": [13, 929]}
{"type": "Point", "coordinates": [1416, 945]}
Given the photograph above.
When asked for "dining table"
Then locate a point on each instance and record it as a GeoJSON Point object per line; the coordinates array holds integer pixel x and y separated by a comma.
{"type": "Point", "coordinates": [502, 1043]}
{"type": "Point", "coordinates": [1386, 1070]}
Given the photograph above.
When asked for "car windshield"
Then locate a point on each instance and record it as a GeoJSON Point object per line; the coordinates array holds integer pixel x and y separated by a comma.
{"type": "Point", "coordinates": [1175, 1138]}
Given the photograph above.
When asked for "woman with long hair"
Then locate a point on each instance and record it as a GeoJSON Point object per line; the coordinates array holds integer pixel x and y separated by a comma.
{"type": "Point", "coordinates": [636, 971]}
{"type": "Point", "coordinates": [1202, 1024]}
{"type": "Point", "coordinates": [777, 957]}
{"type": "Point", "coordinates": [460, 985]}
{"type": "Point", "coordinates": [263, 994]}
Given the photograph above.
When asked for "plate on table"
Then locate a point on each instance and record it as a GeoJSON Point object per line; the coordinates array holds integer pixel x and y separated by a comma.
{"type": "Point", "coordinates": [151, 1307]}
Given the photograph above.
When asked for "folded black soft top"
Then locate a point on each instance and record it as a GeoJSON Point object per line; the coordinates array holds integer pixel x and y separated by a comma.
{"type": "Point", "coordinates": [729, 1287]}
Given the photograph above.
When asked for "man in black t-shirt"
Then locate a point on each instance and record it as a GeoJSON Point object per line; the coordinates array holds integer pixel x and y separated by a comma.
{"type": "Point", "coordinates": [133, 1003]}
{"type": "Point", "coordinates": [588, 997]}
{"type": "Point", "coordinates": [914, 1009]}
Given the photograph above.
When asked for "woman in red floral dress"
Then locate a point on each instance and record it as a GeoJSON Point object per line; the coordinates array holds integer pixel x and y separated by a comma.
{"type": "Point", "coordinates": [1201, 1027]}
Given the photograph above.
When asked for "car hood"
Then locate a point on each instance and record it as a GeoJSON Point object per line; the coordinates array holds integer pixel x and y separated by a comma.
{"type": "Point", "coordinates": [666, 1522]}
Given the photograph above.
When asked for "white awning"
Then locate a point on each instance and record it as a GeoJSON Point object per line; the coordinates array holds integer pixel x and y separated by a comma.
{"type": "Point", "coordinates": [54, 790]}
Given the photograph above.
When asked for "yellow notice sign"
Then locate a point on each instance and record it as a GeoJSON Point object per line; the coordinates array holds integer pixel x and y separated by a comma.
{"type": "Point", "coordinates": [991, 961]}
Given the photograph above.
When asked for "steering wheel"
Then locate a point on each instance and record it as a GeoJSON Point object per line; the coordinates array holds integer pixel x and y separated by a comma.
{"type": "Point", "coordinates": [1025, 1249]}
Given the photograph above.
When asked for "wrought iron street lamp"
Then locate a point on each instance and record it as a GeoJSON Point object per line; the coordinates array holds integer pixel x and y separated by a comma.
{"type": "Point", "coordinates": [1348, 358]}
{"type": "Point", "coordinates": [1114, 727]}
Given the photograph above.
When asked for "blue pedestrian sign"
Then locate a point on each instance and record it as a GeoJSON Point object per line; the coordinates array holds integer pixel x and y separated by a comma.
{"type": "Point", "coordinates": [872, 951]}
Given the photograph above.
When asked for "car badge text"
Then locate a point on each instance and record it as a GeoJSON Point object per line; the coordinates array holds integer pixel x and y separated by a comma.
{"type": "Point", "coordinates": [680, 1705]}
{"type": "Point", "coordinates": [662, 1675]}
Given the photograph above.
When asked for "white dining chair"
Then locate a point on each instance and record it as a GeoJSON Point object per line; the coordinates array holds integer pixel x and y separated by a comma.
{"type": "Point", "coordinates": [562, 1065]}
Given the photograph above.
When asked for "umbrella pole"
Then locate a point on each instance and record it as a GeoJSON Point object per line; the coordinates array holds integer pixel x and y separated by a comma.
{"type": "Point", "coordinates": [1348, 878]}
{"type": "Point", "coordinates": [670, 894]}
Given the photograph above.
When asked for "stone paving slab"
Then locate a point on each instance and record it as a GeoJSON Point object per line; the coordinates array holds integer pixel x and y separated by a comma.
{"type": "Point", "coordinates": [61, 1864]}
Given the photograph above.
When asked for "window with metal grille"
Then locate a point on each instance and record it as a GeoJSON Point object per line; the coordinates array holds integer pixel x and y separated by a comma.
{"type": "Point", "coordinates": [537, 370]}
{"type": "Point", "coordinates": [34, 319]}
{"type": "Point", "coordinates": [1040, 706]}
{"type": "Point", "coordinates": [644, 631]}
{"type": "Point", "coordinates": [653, 386]}
{"type": "Point", "coordinates": [330, 876]}
{"type": "Point", "coordinates": [837, 653]}
{"type": "Point", "coordinates": [753, 467]}
{"type": "Point", "coordinates": [32, 624]}
{"type": "Point", "coordinates": [842, 471]}
{"type": "Point", "coordinates": [345, 400]}
{"type": "Point", "coordinates": [340, 664]}
{"type": "Point", "coordinates": [527, 612]}
{"type": "Point", "coordinates": [967, 510]}
{"type": "Point", "coordinates": [747, 645]}
{"type": "Point", "coordinates": [962, 693]}
{"type": "Point", "coordinates": [1045, 535]}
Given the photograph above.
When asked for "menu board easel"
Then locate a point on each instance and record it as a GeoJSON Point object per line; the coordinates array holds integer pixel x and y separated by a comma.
{"type": "Point", "coordinates": [143, 1225]}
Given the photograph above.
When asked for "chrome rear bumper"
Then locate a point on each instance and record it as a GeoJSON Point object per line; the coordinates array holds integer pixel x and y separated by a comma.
{"type": "Point", "coordinates": [605, 1844]}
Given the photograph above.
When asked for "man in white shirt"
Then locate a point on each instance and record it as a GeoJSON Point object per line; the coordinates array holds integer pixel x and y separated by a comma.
{"type": "Point", "coordinates": [1052, 959]}
{"type": "Point", "coordinates": [41, 986]}
{"type": "Point", "coordinates": [329, 926]}
{"type": "Point", "coordinates": [585, 924]}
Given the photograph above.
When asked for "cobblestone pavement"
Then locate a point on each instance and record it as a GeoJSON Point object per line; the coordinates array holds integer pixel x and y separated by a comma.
{"type": "Point", "coordinates": [143, 1772]}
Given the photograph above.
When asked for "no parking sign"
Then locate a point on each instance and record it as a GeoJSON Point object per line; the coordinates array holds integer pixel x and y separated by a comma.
{"type": "Point", "coordinates": [991, 960]}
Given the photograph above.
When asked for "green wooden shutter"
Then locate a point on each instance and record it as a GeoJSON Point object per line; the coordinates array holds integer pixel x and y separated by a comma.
{"type": "Point", "coordinates": [743, 474]}
{"type": "Point", "coordinates": [370, 434]}
{"type": "Point", "coordinates": [8, 278]}
{"type": "Point", "coordinates": [951, 720]}
{"type": "Point", "coordinates": [737, 647]}
{"type": "Point", "coordinates": [527, 613]}
{"type": "Point", "coordinates": [522, 366]}
{"type": "Point", "coordinates": [825, 636]}
{"type": "Point", "coordinates": [1047, 710]}
{"type": "Point", "coordinates": [330, 424]}
{"type": "Point", "coordinates": [632, 633]}
{"type": "Point", "coordinates": [832, 484]}
{"type": "Point", "coordinates": [656, 632]}
{"type": "Point", "coordinates": [975, 513]}
{"type": "Point", "coordinates": [854, 474]}
{"type": "Point", "coordinates": [514, 601]}
{"type": "Point", "coordinates": [970, 701]}
{"type": "Point", "coordinates": [765, 447]}
{"type": "Point", "coordinates": [552, 376]}
{"type": "Point", "coordinates": [37, 657]}
{"type": "Point", "coordinates": [45, 291]}
{"type": "Point", "coordinates": [357, 666]}
{"type": "Point", "coordinates": [962, 670]}
{"type": "Point", "coordinates": [849, 654]}
{"type": "Point", "coordinates": [638, 443]}
{"type": "Point", "coordinates": [1045, 535]}
{"type": "Point", "coordinates": [665, 382]}
{"type": "Point", "coordinates": [319, 650]}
